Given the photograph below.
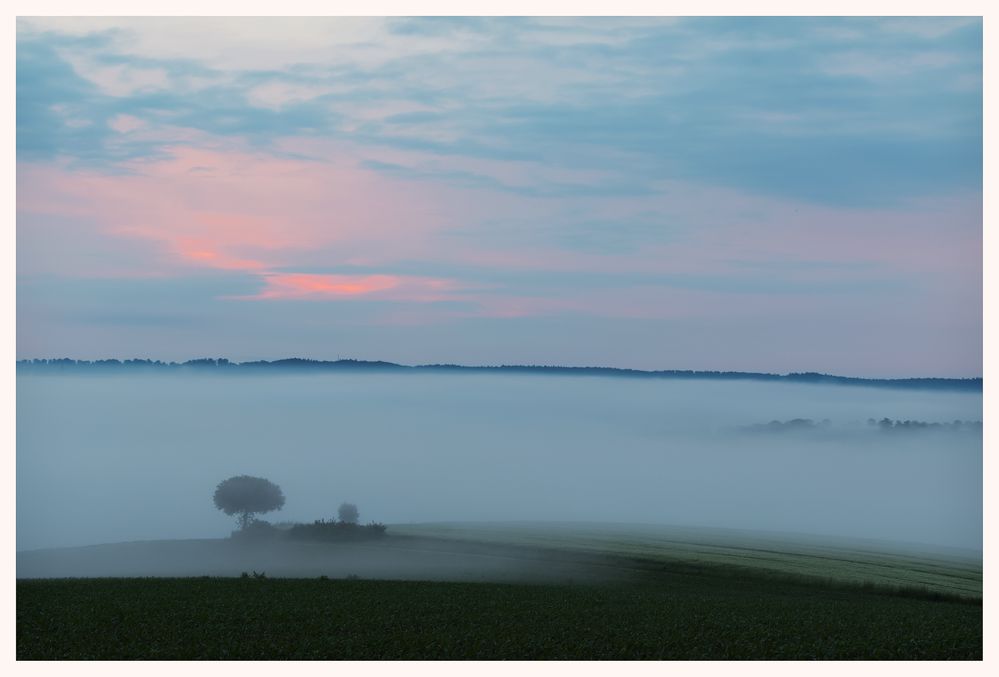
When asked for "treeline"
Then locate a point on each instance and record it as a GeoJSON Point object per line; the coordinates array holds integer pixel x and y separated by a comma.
{"type": "Point", "coordinates": [207, 363]}
{"type": "Point", "coordinates": [885, 424]}
{"type": "Point", "coordinates": [788, 426]}
{"type": "Point", "coordinates": [298, 364]}
{"type": "Point", "coordinates": [890, 425]}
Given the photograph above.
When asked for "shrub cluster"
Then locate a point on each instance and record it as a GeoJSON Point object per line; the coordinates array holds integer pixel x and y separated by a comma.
{"type": "Point", "coordinates": [246, 496]}
{"type": "Point", "coordinates": [336, 530]}
{"type": "Point", "coordinates": [258, 530]}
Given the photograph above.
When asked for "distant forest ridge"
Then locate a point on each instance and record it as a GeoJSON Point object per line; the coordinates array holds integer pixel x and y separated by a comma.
{"type": "Point", "coordinates": [297, 364]}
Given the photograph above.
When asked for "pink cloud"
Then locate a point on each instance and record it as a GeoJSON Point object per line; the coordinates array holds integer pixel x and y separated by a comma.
{"type": "Point", "coordinates": [224, 209]}
{"type": "Point", "coordinates": [204, 252]}
{"type": "Point", "coordinates": [123, 124]}
{"type": "Point", "coordinates": [316, 286]}
{"type": "Point", "coordinates": [228, 209]}
{"type": "Point", "coordinates": [216, 206]}
{"type": "Point", "coordinates": [213, 206]}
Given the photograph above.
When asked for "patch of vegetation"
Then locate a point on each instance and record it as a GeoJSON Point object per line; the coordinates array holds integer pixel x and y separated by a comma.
{"type": "Point", "coordinates": [794, 425]}
{"type": "Point", "coordinates": [333, 530]}
{"type": "Point", "coordinates": [678, 616]}
{"type": "Point", "coordinates": [888, 425]}
{"type": "Point", "coordinates": [246, 496]}
{"type": "Point", "coordinates": [259, 530]}
{"type": "Point", "coordinates": [326, 531]}
{"type": "Point", "coordinates": [884, 425]}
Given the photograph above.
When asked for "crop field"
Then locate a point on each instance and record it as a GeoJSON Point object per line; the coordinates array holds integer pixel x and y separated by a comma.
{"type": "Point", "coordinates": [502, 591]}
{"type": "Point", "coordinates": [678, 616]}
{"type": "Point", "coordinates": [941, 570]}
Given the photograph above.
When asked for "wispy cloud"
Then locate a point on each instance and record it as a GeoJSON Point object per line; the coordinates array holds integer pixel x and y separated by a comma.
{"type": "Point", "coordinates": [312, 286]}
{"type": "Point", "coordinates": [647, 98]}
{"type": "Point", "coordinates": [447, 171]}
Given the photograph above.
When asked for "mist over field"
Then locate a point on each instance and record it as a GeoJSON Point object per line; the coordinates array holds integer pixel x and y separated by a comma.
{"type": "Point", "coordinates": [110, 458]}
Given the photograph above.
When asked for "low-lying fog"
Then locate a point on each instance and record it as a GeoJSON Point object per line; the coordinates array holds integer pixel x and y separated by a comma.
{"type": "Point", "coordinates": [117, 458]}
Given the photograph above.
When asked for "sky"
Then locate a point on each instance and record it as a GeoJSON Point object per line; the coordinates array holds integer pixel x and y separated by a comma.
{"type": "Point", "coordinates": [754, 194]}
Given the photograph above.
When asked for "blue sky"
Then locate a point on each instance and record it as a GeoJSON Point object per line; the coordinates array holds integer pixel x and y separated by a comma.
{"type": "Point", "coordinates": [763, 194]}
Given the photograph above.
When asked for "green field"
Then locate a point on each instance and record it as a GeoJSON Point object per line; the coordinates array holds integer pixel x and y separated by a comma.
{"type": "Point", "coordinates": [943, 570]}
{"type": "Point", "coordinates": [678, 617]}
{"type": "Point", "coordinates": [502, 591]}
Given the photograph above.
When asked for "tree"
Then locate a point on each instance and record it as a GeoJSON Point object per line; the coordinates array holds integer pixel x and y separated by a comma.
{"type": "Point", "coordinates": [348, 513]}
{"type": "Point", "coordinates": [245, 496]}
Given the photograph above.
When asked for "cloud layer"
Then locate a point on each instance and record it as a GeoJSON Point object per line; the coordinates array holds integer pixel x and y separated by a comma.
{"type": "Point", "coordinates": [757, 193]}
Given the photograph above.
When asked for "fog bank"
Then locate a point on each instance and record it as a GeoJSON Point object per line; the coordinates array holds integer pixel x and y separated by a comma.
{"type": "Point", "coordinates": [105, 459]}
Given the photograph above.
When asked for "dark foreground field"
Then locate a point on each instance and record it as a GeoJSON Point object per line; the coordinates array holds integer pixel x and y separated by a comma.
{"type": "Point", "coordinates": [671, 615]}
{"type": "Point", "coordinates": [499, 592]}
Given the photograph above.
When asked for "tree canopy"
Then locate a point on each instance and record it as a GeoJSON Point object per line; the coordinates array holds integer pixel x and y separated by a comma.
{"type": "Point", "coordinates": [246, 496]}
{"type": "Point", "coordinates": [348, 513]}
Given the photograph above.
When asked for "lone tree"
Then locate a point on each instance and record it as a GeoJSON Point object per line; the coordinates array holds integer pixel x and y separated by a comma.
{"type": "Point", "coordinates": [348, 513]}
{"type": "Point", "coordinates": [245, 496]}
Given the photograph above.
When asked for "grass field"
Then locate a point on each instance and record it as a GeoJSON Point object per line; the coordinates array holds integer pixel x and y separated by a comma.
{"type": "Point", "coordinates": [941, 570]}
{"type": "Point", "coordinates": [502, 591]}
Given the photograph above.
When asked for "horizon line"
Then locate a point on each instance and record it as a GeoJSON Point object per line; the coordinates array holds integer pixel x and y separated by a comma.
{"type": "Point", "coordinates": [222, 362]}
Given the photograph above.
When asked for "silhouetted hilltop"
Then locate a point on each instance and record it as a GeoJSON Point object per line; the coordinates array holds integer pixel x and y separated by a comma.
{"type": "Point", "coordinates": [298, 364]}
